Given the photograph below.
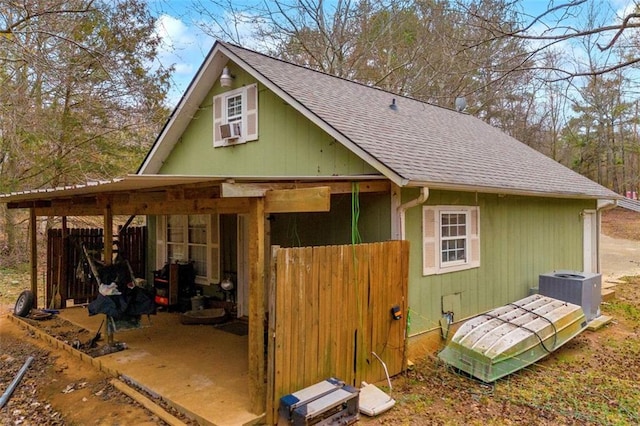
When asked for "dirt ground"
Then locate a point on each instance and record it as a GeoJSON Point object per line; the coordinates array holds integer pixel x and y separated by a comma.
{"type": "Point", "coordinates": [59, 389]}
{"type": "Point", "coordinates": [591, 380]}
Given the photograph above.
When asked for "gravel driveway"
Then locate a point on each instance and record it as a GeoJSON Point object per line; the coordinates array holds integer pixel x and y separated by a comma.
{"type": "Point", "coordinates": [619, 258]}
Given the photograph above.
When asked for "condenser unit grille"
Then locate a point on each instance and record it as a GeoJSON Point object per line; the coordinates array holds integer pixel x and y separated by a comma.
{"type": "Point", "coordinates": [580, 288]}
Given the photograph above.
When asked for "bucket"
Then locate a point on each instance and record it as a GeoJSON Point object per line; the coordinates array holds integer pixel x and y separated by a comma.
{"type": "Point", "coordinates": [197, 303]}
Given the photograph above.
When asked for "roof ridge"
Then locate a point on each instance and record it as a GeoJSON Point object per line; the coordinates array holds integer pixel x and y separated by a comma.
{"type": "Point", "coordinates": [380, 89]}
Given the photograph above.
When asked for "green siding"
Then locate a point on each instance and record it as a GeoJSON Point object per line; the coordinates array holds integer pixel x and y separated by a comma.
{"type": "Point", "coordinates": [520, 238]}
{"type": "Point", "coordinates": [288, 145]}
{"type": "Point", "coordinates": [334, 227]}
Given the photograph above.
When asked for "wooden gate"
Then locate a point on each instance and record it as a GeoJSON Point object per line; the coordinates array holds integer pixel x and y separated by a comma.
{"type": "Point", "coordinates": [67, 271]}
{"type": "Point", "coordinates": [330, 310]}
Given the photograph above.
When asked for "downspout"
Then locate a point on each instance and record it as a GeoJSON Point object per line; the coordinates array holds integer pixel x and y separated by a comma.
{"type": "Point", "coordinates": [402, 209]}
{"type": "Point", "coordinates": [608, 205]}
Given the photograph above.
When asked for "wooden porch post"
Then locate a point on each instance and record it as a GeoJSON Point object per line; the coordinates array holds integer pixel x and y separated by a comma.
{"type": "Point", "coordinates": [34, 256]}
{"type": "Point", "coordinates": [63, 273]}
{"type": "Point", "coordinates": [257, 386]}
{"type": "Point", "coordinates": [108, 235]}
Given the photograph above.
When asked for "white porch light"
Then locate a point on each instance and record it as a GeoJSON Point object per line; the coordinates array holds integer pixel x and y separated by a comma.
{"type": "Point", "coordinates": [226, 78]}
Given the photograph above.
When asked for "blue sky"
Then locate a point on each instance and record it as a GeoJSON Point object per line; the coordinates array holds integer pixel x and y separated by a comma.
{"type": "Point", "coordinates": [185, 45]}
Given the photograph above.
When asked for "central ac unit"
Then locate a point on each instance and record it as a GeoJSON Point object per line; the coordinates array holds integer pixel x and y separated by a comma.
{"type": "Point", "coordinates": [580, 288]}
{"type": "Point", "coordinates": [231, 130]}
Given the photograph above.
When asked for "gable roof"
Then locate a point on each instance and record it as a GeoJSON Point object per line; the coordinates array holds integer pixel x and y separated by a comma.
{"type": "Point", "coordinates": [414, 144]}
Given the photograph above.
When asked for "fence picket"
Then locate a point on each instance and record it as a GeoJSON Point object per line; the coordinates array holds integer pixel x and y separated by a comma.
{"type": "Point", "coordinates": [332, 309]}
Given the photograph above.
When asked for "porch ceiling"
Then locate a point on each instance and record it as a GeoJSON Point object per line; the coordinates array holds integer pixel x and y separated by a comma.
{"type": "Point", "coordinates": [180, 194]}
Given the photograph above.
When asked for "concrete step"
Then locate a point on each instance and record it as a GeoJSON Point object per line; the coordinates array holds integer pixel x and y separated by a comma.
{"type": "Point", "coordinates": [599, 322]}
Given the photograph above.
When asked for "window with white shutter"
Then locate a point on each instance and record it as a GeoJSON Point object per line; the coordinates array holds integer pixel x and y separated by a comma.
{"type": "Point", "coordinates": [235, 116]}
{"type": "Point", "coordinates": [451, 238]}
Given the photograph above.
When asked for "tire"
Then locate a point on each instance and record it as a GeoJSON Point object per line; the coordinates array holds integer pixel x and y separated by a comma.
{"type": "Point", "coordinates": [24, 304]}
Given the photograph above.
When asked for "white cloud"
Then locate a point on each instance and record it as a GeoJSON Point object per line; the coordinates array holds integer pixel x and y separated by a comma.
{"type": "Point", "coordinates": [624, 7]}
{"type": "Point", "coordinates": [185, 69]}
{"type": "Point", "coordinates": [170, 28]}
{"type": "Point", "coordinates": [182, 46]}
{"type": "Point", "coordinates": [179, 46]}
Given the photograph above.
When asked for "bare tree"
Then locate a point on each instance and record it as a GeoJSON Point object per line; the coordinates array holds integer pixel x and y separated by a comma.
{"type": "Point", "coordinates": [80, 98]}
{"type": "Point", "coordinates": [520, 71]}
{"type": "Point", "coordinates": [567, 23]}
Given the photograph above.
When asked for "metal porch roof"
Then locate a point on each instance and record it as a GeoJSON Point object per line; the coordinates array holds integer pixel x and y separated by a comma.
{"type": "Point", "coordinates": [136, 182]}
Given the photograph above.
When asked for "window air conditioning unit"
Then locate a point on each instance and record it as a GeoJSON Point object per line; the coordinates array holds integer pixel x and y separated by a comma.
{"type": "Point", "coordinates": [231, 130]}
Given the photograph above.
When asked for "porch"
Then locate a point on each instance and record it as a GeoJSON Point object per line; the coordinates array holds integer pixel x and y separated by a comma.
{"type": "Point", "coordinates": [352, 290]}
{"type": "Point", "coordinates": [200, 370]}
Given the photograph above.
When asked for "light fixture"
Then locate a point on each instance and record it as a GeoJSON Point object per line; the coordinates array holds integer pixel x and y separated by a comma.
{"type": "Point", "coordinates": [461, 103]}
{"type": "Point", "coordinates": [226, 78]}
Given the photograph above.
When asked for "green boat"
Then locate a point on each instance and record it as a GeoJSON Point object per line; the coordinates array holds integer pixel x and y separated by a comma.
{"type": "Point", "coordinates": [511, 337]}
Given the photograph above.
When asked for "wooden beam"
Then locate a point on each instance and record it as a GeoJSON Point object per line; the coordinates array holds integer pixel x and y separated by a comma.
{"type": "Point", "coordinates": [364, 186]}
{"type": "Point", "coordinates": [108, 235]}
{"type": "Point", "coordinates": [230, 190]}
{"type": "Point", "coordinates": [64, 273]}
{"type": "Point", "coordinates": [298, 200]}
{"type": "Point", "coordinates": [200, 200]}
{"type": "Point", "coordinates": [271, 405]}
{"type": "Point", "coordinates": [257, 386]}
{"type": "Point", "coordinates": [137, 207]}
{"type": "Point", "coordinates": [33, 237]}
{"type": "Point", "coordinates": [28, 204]}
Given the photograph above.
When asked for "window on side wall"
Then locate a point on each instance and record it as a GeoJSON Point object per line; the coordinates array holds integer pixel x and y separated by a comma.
{"type": "Point", "coordinates": [451, 238]}
{"type": "Point", "coordinates": [235, 116]}
{"type": "Point", "coordinates": [190, 238]}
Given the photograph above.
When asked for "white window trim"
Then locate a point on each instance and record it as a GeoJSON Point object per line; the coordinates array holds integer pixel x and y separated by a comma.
{"type": "Point", "coordinates": [249, 113]}
{"type": "Point", "coordinates": [432, 239]}
{"type": "Point", "coordinates": [213, 247]}
{"type": "Point", "coordinates": [467, 240]}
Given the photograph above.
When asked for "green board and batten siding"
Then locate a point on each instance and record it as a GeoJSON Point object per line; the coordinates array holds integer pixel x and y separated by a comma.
{"type": "Point", "coordinates": [289, 144]}
{"type": "Point", "coordinates": [515, 231]}
{"type": "Point", "coordinates": [520, 238]}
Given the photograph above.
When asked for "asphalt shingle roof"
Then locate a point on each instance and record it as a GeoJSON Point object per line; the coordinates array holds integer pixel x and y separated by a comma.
{"type": "Point", "coordinates": [420, 142]}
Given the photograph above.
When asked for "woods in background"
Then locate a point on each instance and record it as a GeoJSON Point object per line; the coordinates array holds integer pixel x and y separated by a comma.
{"type": "Point", "coordinates": [83, 96]}
{"type": "Point", "coordinates": [81, 99]}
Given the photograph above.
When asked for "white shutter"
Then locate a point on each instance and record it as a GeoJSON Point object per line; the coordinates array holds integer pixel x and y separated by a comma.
{"type": "Point", "coordinates": [430, 232]}
{"type": "Point", "coordinates": [218, 116]}
{"type": "Point", "coordinates": [214, 249]}
{"type": "Point", "coordinates": [251, 113]}
{"type": "Point", "coordinates": [474, 237]}
{"type": "Point", "coordinates": [161, 236]}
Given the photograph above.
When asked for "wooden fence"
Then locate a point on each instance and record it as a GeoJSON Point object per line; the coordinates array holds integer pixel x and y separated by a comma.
{"type": "Point", "coordinates": [66, 266]}
{"type": "Point", "coordinates": [330, 310]}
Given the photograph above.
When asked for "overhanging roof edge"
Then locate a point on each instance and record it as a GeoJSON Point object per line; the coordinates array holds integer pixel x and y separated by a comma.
{"type": "Point", "coordinates": [135, 182]}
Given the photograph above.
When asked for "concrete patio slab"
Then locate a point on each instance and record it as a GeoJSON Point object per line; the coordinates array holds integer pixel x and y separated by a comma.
{"type": "Point", "coordinates": [198, 369]}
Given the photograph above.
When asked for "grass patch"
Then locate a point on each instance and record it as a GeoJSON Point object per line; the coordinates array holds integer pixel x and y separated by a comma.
{"type": "Point", "coordinates": [12, 283]}
{"type": "Point", "coordinates": [625, 309]}
{"type": "Point", "coordinates": [593, 397]}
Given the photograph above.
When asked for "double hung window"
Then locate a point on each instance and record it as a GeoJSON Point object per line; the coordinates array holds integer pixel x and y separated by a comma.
{"type": "Point", "coordinates": [451, 238]}
{"type": "Point", "coordinates": [190, 238]}
{"type": "Point", "coordinates": [235, 116]}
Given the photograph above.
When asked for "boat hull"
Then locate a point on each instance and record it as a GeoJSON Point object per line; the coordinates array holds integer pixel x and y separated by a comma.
{"type": "Point", "coordinates": [511, 337]}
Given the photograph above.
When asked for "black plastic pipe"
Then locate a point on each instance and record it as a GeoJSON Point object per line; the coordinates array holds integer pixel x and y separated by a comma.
{"type": "Point", "coordinates": [7, 394]}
